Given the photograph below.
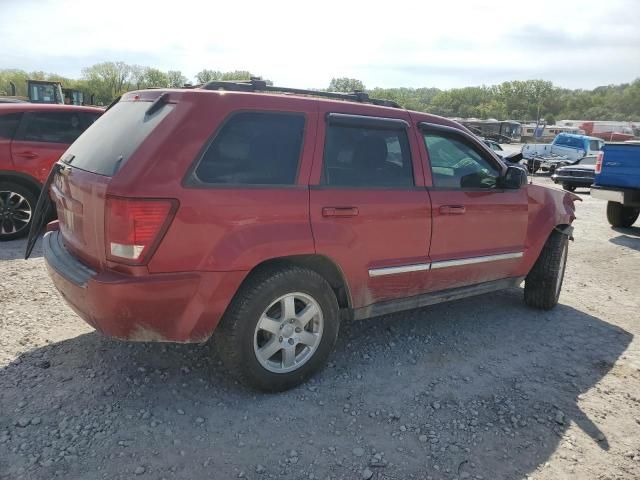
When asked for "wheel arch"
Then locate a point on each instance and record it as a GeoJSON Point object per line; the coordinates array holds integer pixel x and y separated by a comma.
{"type": "Point", "coordinates": [22, 179]}
{"type": "Point", "coordinates": [321, 264]}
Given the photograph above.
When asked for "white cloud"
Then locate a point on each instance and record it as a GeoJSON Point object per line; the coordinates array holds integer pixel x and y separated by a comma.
{"type": "Point", "coordinates": [444, 44]}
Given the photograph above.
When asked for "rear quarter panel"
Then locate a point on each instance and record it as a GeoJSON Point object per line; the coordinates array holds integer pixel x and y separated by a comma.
{"type": "Point", "coordinates": [219, 228]}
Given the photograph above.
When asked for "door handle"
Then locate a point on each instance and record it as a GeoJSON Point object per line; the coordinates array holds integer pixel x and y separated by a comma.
{"type": "Point", "coordinates": [339, 211]}
{"type": "Point", "coordinates": [29, 155]}
{"type": "Point", "coordinates": [453, 209]}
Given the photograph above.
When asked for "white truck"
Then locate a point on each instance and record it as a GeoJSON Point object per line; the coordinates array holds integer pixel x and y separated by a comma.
{"type": "Point", "coordinates": [565, 149]}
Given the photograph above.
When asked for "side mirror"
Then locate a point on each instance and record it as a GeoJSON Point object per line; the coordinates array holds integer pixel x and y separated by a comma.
{"type": "Point", "coordinates": [515, 177]}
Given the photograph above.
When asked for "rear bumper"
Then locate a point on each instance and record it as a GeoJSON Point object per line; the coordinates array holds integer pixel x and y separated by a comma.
{"type": "Point", "coordinates": [628, 197]}
{"type": "Point", "coordinates": [171, 307]}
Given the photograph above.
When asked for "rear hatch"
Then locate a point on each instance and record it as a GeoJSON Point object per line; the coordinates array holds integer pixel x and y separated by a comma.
{"type": "Point", "coordinates": [620, 166]}
{"type": "Point", "coordinates": [80, 188]}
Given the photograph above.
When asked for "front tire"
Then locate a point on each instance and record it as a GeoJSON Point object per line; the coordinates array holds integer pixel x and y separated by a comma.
{"type": "Point", "coordinates": [568, 188]}
{"type": "Point", "coordinates": [17, 204]}
{"type": "Point", "coordinates": [280, 328]}
{"type": "Point", "coordinates": [544, 281]}
{"type": "Point", "coordinates": [621, 216]}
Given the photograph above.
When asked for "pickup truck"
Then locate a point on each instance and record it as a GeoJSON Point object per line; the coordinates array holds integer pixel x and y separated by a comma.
{"type": "Point", "coordinates": [618, 181]}
{"type": "Point", "coordinates": [565, 149]}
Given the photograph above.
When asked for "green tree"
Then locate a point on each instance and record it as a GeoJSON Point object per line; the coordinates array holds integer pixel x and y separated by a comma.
{"type": "Point", "coordinates": [204, 76]}
{"type": "Point", "coordinates": [345, 84]}
{"type": "Point", "coordinates": [154, 78]}
{"type": "Point", "coordinates": [176, 79]}
{"type": "Point", "coordinates": [108, 79]}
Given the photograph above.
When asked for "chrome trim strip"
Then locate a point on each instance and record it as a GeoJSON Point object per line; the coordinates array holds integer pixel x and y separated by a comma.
{"type": "Point", "coordinates": [418, 267]}
{"type": "Point", "coordinates": [472, 260]}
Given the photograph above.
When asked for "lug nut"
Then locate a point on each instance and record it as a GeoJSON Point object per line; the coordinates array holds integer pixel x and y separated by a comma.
{"type": "Point", "coordinates": [298, 329]}
{"type": "Point", "coordinates": [280, 339]}
{"type": "Point", "coordinates": [291, 341]}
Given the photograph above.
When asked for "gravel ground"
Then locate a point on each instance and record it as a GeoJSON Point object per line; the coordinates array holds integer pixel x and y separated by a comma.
{"type": "Point", "coordinates": [482, 388]}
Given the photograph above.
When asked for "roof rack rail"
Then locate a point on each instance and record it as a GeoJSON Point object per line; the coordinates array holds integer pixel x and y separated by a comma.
{"type": "Point", "coordinates": [256, 84]}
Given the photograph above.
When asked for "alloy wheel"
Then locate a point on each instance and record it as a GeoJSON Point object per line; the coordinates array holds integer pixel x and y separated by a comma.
{"type": "Point", "coordinates": [288, 332]}
{"type": "Point", "coordinates": [15, 212]}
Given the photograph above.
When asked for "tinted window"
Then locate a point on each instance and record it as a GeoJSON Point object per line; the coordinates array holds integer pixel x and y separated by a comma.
{"type": "Point", "coordinates": [9, 124]}
{"type": "Point", "coordinates": [456, 164]}
{"type": "Point", "coordinates": [112, 139]}
{"type": "Point", "coordinates": [594, 145]}
{"type": "Point", "coordinates": [566, 141]}
{"type": "Point", "coordinates": [365, 157]}
{"type": "Point", "coordinates": [55, 127]}
{"type": "Point", "coordinates": [254, 148]}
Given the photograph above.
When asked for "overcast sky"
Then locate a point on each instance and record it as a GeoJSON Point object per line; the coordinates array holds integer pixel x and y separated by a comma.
{"type": "Point", "coordinates": [575, 44]}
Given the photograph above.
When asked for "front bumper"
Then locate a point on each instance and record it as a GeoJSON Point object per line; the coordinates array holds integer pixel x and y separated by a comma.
{"type": "Point", "coordinates": [171, 307]}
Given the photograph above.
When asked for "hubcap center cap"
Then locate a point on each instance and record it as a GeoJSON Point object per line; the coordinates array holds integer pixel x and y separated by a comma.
{"type": "Point", "coordinates": [287, 331]}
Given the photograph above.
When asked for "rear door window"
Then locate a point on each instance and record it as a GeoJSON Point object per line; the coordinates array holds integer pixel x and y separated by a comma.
{"type": "Point", "coordinates": [115, 136]}
{"type": "Point", "coordinates": [254, 148]}
{"type": "Point", "coordinates": [9, 124]}
{"type": "Point", "coordinates": [367, 157]}
{"type": "Point", "coordinates": [53, 127]}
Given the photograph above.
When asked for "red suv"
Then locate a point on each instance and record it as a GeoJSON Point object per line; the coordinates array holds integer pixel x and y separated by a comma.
{"type": "Point", "coordinates": [32, 138]}
{"type": "Point", "coordinates": [268, 215]}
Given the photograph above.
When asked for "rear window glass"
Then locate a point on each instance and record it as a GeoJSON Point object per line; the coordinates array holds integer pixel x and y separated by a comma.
{"type": "Point", "coordinates": [572, 142]}
{"type": "Point", "coordinates": [254, 148]}
{"type": "Point", "coordinates": [9, 124]}
{"type": "Point", "coordinates": [594, 145]}
{"type": "Point", "coordinates": [115, 136]}
{"type": "Point", "coordinates": [56, 127]}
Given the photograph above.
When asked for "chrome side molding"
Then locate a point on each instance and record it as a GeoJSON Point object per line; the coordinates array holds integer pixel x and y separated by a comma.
{"type": "Point", "coordinates": [472, 260]}
{"type": "Point", "coordinates": [419, 267]}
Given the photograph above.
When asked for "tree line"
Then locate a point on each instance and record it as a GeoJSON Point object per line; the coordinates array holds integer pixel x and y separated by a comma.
{"type": "Point", "coordinates": [529, 100]}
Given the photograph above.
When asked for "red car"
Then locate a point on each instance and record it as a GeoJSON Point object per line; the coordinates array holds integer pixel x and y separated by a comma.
{"type": "Point", "coordinates": [32, 138]}
{"type": "Point", "coordinates": [270, 217]}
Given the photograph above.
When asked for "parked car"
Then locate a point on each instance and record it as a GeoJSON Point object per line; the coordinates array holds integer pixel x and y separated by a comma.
{"type": "Point", "coordinates": [579, 174]}
{"type": "Point", "coordinates": [618, 181]}
{"type": "Point", "coordinates": [565, 149]}
{"type": "Point", "coordinates": [32, 138]}
{"type": "Point", "coordinates": [271, 217]}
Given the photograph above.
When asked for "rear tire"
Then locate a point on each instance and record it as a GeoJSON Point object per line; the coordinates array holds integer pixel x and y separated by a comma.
{"type": "Point", "coordinates": [568, 188]}
{"type": "Point", "coordinates": [544, 281]}
{"type": "Point", "coordinates": [17, 204]}
{"type": "Point", "coordinates": [621, 216]}
{"type": "Point", "coordinates": [290, 311]}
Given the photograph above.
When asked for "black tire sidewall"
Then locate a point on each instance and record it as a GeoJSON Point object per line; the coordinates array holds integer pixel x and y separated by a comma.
{"type": "Point", "coordinates": [295, 280]}
{"type": "Point", "coordinates": [31, 198]}
{"type": "Point", "coordinates": [564, 247]}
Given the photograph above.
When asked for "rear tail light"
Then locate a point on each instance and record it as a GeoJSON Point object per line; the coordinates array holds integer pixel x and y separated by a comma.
{"type": "Point", "coordinates": [134, 227]}
{"type": "Point", "coordinates": [599, 162]}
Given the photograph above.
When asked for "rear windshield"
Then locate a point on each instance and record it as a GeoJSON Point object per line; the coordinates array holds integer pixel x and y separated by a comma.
{"type": "Point", "coordinates": [572, 142]}
{"type": "Point", "coordinates": [107, 145]}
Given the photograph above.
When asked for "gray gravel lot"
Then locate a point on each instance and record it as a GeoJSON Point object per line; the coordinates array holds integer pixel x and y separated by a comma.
{"type": "Point", "coordinates": [482, 388]}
